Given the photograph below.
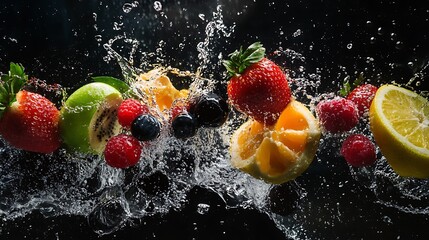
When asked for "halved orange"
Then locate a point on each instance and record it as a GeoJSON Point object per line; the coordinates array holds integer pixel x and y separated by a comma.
{"type": "Point", "coordinates": [278, 153]}
{"type": "Point", "coordinates": [158, 89]}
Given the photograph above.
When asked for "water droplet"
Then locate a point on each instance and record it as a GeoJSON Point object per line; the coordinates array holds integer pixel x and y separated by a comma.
{"type": "Point", "coordinates": [387, 219]}
{"type": "Point", "coordinates": [127, 7]}
{"type": "Point", "coordinates": [13, 40]}
{"type": "Point", "coordinates": [203, 208]}
{"type": "Point", "coordinates": [372, 40]}
{"type": "Point", "coordinates": [297, 33]}
{"type": "Point", "coordinates": [380, 31]}
{"type": "Point", "coordinates": [399, 45]}
{"type": "Point", "coordinates": [157, 6]}
{"type": "Point", "coordinates": [98, 38]}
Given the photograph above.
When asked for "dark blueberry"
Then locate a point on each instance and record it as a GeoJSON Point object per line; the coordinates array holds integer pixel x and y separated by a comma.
{"type": "Point", "coordinates": [145, 127]}
{"type": "Point", "coordinates": [210, 110]}
{"type": "Point", "coordinates": [184, 125]}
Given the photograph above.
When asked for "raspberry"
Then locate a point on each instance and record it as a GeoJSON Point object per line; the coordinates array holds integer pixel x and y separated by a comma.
{"type": "Point", "coordinates": [358, 150]}
{"type": "Point", "coordinates": [337, 115]}
{"type": "Point", "coordinates": [129, 110]}
{"type": "Point", "coordinates": [362, 96]}
{"type": "Point", "coordinates": [122, 151]}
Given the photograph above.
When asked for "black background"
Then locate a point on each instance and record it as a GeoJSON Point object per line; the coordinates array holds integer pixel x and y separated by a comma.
{"type": "Point", "coordinates": [55, 40]}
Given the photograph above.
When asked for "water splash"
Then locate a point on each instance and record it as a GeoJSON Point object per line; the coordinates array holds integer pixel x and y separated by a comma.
{"type": "Point", "coordinates": [84, 185]}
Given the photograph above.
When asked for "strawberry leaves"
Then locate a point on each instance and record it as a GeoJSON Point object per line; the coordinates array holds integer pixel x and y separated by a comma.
{"type": "Point", "coordinates": [348, 87]}
{"type": "Point", "coordinates": [240, 60]}
{"type": "Point", "coordinates": [11, 84]}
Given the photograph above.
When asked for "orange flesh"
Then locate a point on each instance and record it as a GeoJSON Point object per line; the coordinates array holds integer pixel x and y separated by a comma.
{"type": "Point", "coordinates": [161, 90]}
{"type": "Point", "coordinates": [250, 139]}
{"type": "Point", "coordinates": [291, 119]}
{"type": "Point", "coordinates": [279, 149]}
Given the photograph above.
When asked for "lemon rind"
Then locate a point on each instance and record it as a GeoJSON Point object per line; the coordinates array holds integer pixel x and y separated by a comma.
{"type": "Point", "coordinates": [378, 100]}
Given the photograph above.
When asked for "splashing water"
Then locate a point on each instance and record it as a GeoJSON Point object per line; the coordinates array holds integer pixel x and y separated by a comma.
{"type": "Point", "coordinates": [85, 185]}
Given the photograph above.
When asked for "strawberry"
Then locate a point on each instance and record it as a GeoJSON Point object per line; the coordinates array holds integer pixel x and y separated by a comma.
{"type": "Point", "coordinates": [129, 110]}
{"type": "Point", "coordinates": [337, 115]}
{"type": "Point", "coordinates": [362, 96]}
{"type": "Point", "coordinates": [358, 150]}
{"type": "Point", "coordinates": [122, 151]}
{"type": "Point", "coordinates": [28, 120]}
{"type": "Point", "coordinates": [257, 87]}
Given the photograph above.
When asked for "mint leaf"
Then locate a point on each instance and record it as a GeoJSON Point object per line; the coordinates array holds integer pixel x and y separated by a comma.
{"type": "Point", "coordinates": [120, 85]}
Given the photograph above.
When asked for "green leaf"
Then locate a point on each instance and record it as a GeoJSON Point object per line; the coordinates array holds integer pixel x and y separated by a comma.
{"type": "Point", "coordinates": [120, 85]}
{"type": "Point", "coordinates": [359, 80]}
{"type": "Point", "coordinates": [345, 90]}
{"type": "Point", "coordinates": [16, 84]}
{"type": "Point", "coordinates": [3, 96]}
{"type": "Point", "coordinates": [17, 70]}
{"type": "Point", "coordinates": [240, 60]}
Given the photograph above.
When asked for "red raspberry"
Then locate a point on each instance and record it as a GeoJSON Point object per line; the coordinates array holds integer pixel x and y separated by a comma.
{"type": "Point", "coordinates": [122, 151]}
{"type": "Point", "coordinates": [358, 150]}
{"type": "Point", "coordinates": [129, 110]}
{"type": "Point", "coordinates": [362, 96]}
{"type": "Point", "coordinates": [337, 115]}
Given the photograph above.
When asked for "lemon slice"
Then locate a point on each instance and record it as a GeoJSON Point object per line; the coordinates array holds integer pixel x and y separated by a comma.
{"type": "Point", "coordinates": [399, 120]}
{"type": "Point", "coordinates": [278, 153]}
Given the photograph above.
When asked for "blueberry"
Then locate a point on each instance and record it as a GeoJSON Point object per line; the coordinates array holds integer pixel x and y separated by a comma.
{"type": "Point", "coordinates": [184, 125]}
{"type": "Point", "coordinates": [145, 127]}
{"type": "Point", "coordinates": [210, 110]}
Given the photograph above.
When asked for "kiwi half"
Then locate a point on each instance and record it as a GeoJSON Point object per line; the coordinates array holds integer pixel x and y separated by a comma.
{"type": "Point", "coordinates": [89, 117]}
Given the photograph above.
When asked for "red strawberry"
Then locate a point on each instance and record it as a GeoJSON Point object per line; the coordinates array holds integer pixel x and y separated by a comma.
{"type": "Point", "coordinates": [362, 96]}
{"type": "Point", "coordinates": [28, 121]}
{"type": "Point", "coordinates": [258, 87]}
{"type": "Point", "coordinates": [337, 115]}
{"type": "Point", "coordinates": [122, 151]}
{"type": "Point", "coordinates": [129, 110]}
{"type": "Point", "coordinates": [358, 150]}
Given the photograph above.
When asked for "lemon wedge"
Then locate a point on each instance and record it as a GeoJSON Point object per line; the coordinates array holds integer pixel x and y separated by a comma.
{"type": "Point", "coordinates": [399, 121]}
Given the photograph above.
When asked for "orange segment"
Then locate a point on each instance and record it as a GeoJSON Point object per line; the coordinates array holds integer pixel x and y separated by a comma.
{"type": "Point", "coordinates": [291, 118]}
{"type": "Point", "coordinates": [159, 89]}
{"type": "Point", "coordinates": [277, 153]}
{"type": "Point", "coordinates": [273, 159]}
{"type": "Point", "coordinates": [294, 140]}
{"type": "Point", "coordinates": [250, 139]}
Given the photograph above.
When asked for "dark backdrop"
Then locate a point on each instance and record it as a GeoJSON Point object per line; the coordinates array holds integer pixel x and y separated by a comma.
{"type": "Point", "coordinates": [387, 40]}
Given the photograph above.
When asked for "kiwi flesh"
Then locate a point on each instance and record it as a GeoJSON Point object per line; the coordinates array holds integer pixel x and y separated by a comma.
{"type": "Point", "coordinates": [104, 123]}
{"type": "Point", "coordinates": [89, 119]}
